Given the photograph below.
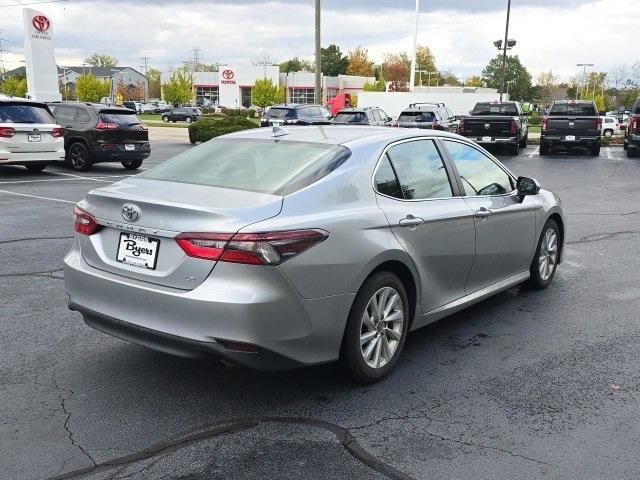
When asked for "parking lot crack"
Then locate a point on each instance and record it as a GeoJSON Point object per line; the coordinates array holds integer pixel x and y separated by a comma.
{"type": "Point", "coordinates": [44, 273]}
{"type": "Point", "coordinates": [33, 239]}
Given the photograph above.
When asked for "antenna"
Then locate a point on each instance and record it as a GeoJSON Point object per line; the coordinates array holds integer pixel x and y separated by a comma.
{"type": "Point", "coordinates": [278, 131]}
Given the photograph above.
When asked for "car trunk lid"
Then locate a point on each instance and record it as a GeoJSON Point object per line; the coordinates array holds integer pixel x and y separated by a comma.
{"type": "Point", "coordinates": [30, 138]}
{"type": "Point", "coordinates": [488, 126]}
{"type": "Point", "coordinates": [121, 126]}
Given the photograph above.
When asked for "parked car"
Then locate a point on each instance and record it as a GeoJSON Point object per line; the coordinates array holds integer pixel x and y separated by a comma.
{"type": "Point", "coordinates": [632, 133]}
{"type": "Point", "coordinates": [182, 114]}
{"type": "Point", "coordinates": [435, 116]}
{"type": "Point", "coordinates": [161, 107]}
{"type": "Point", "coordinates": [96, 133]}
{"type": "Point", "coordinates": [294, 113]}
{"type": "Point", "coordinates": [277, 252]}
{"type": "Point", "coordinates": [29, 135]}
{"type": "Point", "coordinates": [362, 116]}
{"type": "Point", "coordinates": [135, 106]}
{"type": "Point", "coordinates": [497, 123]}
{"type": "Point", "coordinates": [569, 124]}
{"type": "Point", "coordinates": [610, 126]}
{"type": "Point", "coordinates": [147, 108]}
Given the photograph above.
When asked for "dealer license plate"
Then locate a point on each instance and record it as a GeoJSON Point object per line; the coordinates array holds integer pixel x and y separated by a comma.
{"type": "Point", "coordinates": [138, 250]}
{"type": "Point", "coordinates": [129, 147]}
{"type": "Point", "coordinates": [34, 137]}
{"type": "Point", "coordinates": [486, 139]}
{"type": "Point", "coordinates": [570, 138]}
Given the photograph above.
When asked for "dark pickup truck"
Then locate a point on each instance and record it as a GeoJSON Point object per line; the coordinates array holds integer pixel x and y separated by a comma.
{"type": "Point", "coordinates": [496, 123]}
{"type": "Point", "coordinates": [632, 135]}
{"type": "Point", "coordinates": [571, 123]}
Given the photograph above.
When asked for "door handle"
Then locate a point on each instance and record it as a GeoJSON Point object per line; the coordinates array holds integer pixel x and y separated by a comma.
{"type": "Point", "coordinates": [410, 221]}
{"type": "Point", "coordinates": [483, 213]}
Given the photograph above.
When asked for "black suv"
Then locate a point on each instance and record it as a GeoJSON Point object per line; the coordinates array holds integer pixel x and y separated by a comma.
{"type": "Point", "coordinates": [95, 133]}
{"type": "Point", "coordinates": [293, 113]}
{"type": "Point", "coordinates": [435, 116]}
{"type": "Point", "coordinates": [362, 116]}
{"type": "Point", "coordinates": [632, 134]}
{"type": "Point", "coordinates": [182, 114]}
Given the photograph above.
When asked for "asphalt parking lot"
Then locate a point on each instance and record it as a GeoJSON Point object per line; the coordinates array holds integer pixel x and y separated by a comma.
{"type": "Point", "coordinates": [526, 384]}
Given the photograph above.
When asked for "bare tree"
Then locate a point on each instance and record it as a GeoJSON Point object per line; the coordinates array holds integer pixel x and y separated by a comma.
{"type": "Point", "coordinates": [618, 76]}
{"type": "Point", "coordinates": [263, 59]}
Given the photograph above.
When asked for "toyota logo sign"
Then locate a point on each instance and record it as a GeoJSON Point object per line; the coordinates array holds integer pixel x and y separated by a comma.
{"type": "Point", "coordinates": [41, 23]}
{"type": "Point", "coordinates": [228, 74]}
{"type": "Point", "coordinates": [130, 212]}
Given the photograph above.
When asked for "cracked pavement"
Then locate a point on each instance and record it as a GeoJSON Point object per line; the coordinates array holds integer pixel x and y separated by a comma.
{"type": "Point", "coordinates": [524, 385]}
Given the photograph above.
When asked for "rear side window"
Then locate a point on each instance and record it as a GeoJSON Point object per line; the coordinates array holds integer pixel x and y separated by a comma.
{"type": "Point", "coordinates": [351, 117]}
{"type": "Point", "coordinates": [417, 117]}
{"type": "Point", "coordinates": [281, 113]}
{"type": "Point", "coordinates": [386, 181]}
{"type": "Point", "coordinates": [24, 113]}
{"type": "Point", "coordinates": [577, 109]}
{"type": "Point", "coordinates": [123, 119]}
{"type": "Point", "coordinates": [65, 114]}
{"type": "Point", "coordinates": [261, 166]}
{"type": "Point", "coordinates": [420, 170]}
{"type": "Point", "coordinates": [83, 116]}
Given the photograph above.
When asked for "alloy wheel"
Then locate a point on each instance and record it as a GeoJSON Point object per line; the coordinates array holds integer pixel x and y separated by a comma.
{"type": "Point", "coordinates": [381, 327]}
{"type": "Point", "coordinates": [77, 155]}
{"type": "Point", "coordinates": [548, 254]}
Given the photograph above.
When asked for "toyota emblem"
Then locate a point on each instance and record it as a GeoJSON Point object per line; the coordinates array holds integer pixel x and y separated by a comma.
{"type": "Point", "coordinates": [228, 74]}
{"type": "Point", "coordinates": [130, 212]}
{"type": "Point", "coordinates": [41, 23]}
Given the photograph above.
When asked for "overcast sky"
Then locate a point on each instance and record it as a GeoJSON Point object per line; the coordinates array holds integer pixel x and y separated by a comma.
{"type": "Point", "coordinates": [551, 34]}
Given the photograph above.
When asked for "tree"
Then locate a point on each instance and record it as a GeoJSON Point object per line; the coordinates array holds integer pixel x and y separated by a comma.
{"type": "Point", "coordinates": [448, 78]}
{"type": "Point", "coordinates": [333, 62]}
{"type": "Point", "coordinates": [101, 60]}
{"type": "Point", "coordinates": [154, 83]}
{"type": "Point", "coordinates": [547, 84]}
{"type": "Point", "coordinates": [377, 86]}
{"type": "Point", "coordinates": [395, 69]}
{"type": "Point", "coordinates": [618, 76]}
{"type": "Point", "coordinates": [130, 92]}
{"type": "Point", "coordinates": [179, 89]}
{"type": "Point", "coordinates": [474, 81]}
{"type": "Point", "coordinates": [264, 93]}
{"type": "Point", "coordinates": [425, 59]}
{"type": "Point", "coordinates": [14, 86]}
{"type": "Point", "coordinates": [297, 65]}
{"type": "Point", "coordinates": [358, 63]}
{"type": "Point", "coordinates": [90, 89]}
{"type": "Point", "coordinates": [520, 89]}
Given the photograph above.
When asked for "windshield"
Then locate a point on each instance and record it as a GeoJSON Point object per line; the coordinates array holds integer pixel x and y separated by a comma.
{"type": "Point", "coordinates": [350, 117]}
{"type": "Point", "coordinates": [578, 109]}
{"type": "Point", "coordinates": [123, 119]}
{"type": "Point", "coordinates": [495, 109]}
{"type": "Point", "coordinates": [24, 113]}
{"type": "Point", "coordinates": [417, 117]}
{"type": "Point", "coordinates": [280, 113]}
{"type": "Point", "coordinates": [261, 166]}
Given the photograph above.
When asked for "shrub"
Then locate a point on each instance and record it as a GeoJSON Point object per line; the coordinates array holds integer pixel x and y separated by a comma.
{"type": "Point", "coordinates": [534, 119]}
{"type": "Point", "coordinates": [239, 112]}
{"type": "Point", "coordinates": [208, 128]}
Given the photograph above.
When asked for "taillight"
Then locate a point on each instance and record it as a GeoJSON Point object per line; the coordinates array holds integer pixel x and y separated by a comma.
{"type": "Point", "coordinates": [270, 248]}
{"type": "Point", "coordinates": [436, 126]}
{"type": "Point", "coordinates": [84, 223]}
{"type": "Point", "coordinates": [57, 132]}
{"type": "Point", "coordinates": [633, 125]}
{"type": "Point", "coordinates": [545, 123]}
{"type": "Point", "coordinates": [513, 127]}
{"type": "Point", "coordinates": [599, 124]}
{"type": "Point", "coordinates": [7, 132]}
{"type": "Point", "coordinates": [106, 126]}
{"type": "Point", "coordinates": [461, 126]}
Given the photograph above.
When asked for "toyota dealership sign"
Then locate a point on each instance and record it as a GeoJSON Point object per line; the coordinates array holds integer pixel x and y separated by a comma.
{"type": "Point", "coordinates": [40, 62]}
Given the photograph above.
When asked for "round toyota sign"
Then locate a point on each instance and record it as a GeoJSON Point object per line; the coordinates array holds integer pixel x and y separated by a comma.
{"type": "Point", "coordinates": [41, 23]}
{"type": "Point", "coordinates": [228, 74]}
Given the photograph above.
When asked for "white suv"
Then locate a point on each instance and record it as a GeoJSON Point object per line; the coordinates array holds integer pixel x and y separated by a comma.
{"type": "Point", "coordinates": [29, 135]}
{"type": "Point", "coordinates": [610, 126]}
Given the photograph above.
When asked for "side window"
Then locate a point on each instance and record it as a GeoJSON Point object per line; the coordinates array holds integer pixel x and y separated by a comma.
{"type": "Point", "coordinates": [479, 174]}
{"type": "Point", "coordinates": [323, 112]}
{"type": "Point", "coordinates": [383, 115]}
{"type": "Point", "coordinates": [65, 114]}
{"type": "Point", "coordinates": [443, 113]}
{"type": "Point", "coordinates": [420, 170]}
{"type": "Point", "coordinates": [375, 116]}
{"type": "Point", "coordinates": [83, 116]}
{"type": "Point", "coordinates": [386, 181]}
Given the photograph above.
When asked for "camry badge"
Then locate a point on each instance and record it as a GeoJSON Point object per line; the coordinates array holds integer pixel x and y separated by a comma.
{"type": "Point", "coordinates": [130, 212]}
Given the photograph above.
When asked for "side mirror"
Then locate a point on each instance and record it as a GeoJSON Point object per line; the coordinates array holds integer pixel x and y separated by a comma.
{"type": "Point", "coordinates": [527, 186]}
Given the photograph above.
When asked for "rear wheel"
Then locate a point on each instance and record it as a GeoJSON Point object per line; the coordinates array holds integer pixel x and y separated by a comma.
{"type": "Point", "coordinates": [35, 167]}
{"type": "Point", "coordinates": [514, 149]}
{"type": "Point", "coordinates": [595, 150]}
{"type": "Point", "coordinates": [608, 133]}
{"type": "Point", "coordinates": [79, 157]}
{"type": "Point", "coordinates": [545, 261]}
{"type": "Point", "coordinates": [524, 141]}
{"type": "Point", "coordinates": [165, 119]}
{"type": "Point", "coordinates": [131, 164]}
{"type": "Point", "coordinates": [376, 329]}
{"type": "Point", "coordinates": [544, 149]}
{"type": "Point", "coordinates": [188, 119]}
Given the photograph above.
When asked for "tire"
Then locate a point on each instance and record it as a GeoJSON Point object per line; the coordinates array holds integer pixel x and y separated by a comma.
{"type": "Point", "coordinates": [524, 141]}
{"type": "Point", "coordinates": [544, 149]}
{"type": "Point", "coordinates": [632, 152]}
{"type": "Point", "coordinates": [79, 157]}
{"type": "Point", "coordinates": [541, 276]}
{"type": "Point", "coordinates": [131, 164]}
{"type": "Point", "coordinates": [352, 352]}
{"type": "Point", "coordinates": [595, 151]}
{"type": "Point", "coordinates": [608, 133]}
{"type": "Point", "coordinates": [188, 120]}
{"type": "Point", "coordinates": [165, 119]}
{"type": "Point", "coordinates": [35, 167]}
{"type": "Point", "coordinates": [514, 149]}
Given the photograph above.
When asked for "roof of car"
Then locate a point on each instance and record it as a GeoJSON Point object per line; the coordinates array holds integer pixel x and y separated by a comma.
{"type": "Point", "coordinates": [295, 105]}
{"type": "Point", "coordinates": [97, 106]}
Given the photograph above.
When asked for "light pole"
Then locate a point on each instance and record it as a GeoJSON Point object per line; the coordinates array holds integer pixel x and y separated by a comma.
{"type": "Point", "coordinates": [318, 89]}
{"type": "Point", "coordinates": [412, 74]}
{"type": "Point", "coordinates": [584, 77]}
{"type": "Point", "coordinates": [506, 44]}
{"type": "Point", "coordinates": [509, 83]}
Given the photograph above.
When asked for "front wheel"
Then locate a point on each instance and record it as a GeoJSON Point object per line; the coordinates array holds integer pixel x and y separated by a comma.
{"type": "Point", "coordinates": [35, 167]}
{"type": "Point", "coordinates": [376, 329]}
{"type": "Point", "coordinates": [545, 261]}
{"type": "Point", "coordinates": [131, 164]}
{"type": "Point", "coordinates": [165, 119]}
{"type": "Point", "coordinates": [188, 120]}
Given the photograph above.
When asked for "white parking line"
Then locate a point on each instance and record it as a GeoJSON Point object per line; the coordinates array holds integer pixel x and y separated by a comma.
{"type": "Point", "coordinates": [608, 152]}
{"type": "Point", "coordinates": [38, 197]}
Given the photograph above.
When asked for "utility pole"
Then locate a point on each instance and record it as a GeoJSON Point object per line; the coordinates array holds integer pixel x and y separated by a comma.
{"type": "Point", "coordinates": [318, 90]}
{"type": "Point", "coordinates": [504, 51]}
{"type": "Point", "coordinates": [2, 68]}
{"type": "Point", "coordinates": [412, 74]}
{"type": "Point", "coordinates": [146, 74]}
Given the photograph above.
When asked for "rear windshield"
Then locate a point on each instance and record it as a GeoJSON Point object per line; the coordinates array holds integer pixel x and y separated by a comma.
{"type": "Point", "coordinates": [350, 117]}
{"type": "Point", "coordinates": [417, 117]}
{"type": "Point", "coordinates": [24, 113]}
{"type": "Point", "coordinates": [261, 166]}
{"type": "Point", "coordinates": [124, 119]}
{"type": "Point", "coordinates": [578, 109]}
{"type": "Point", "coordinates": [637, 112]}
{"type": "Point", "coordinates": [281, 113]}
{"type": "Point", "coordinates": [494, 109]}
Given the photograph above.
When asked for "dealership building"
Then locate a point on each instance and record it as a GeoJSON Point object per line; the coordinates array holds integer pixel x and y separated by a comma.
{"type": "Point", "coordinates": [231, 86]}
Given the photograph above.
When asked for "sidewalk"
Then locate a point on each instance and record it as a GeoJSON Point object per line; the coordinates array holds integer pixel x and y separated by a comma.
{"type": "Point", "coordinates": [163, 134]}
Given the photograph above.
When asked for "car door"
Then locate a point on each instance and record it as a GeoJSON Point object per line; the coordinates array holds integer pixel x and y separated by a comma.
{"type": "Point", "coordinates": [505, 224]}
{"type": "Point", "coordinates": [434, 225]}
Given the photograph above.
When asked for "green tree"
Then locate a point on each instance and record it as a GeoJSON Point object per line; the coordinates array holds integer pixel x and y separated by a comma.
{"type": "Point", "coordinates": [297, 65]}
{"type": "Point", "coordinates": [377, 86]}
{"type": "Point", "coordinates": [179, 89]}
{"type": "Point", "coordinates": [90, 89]}
{"type": "Point", "coordinates": [358, 63]}
{"type": "Point", "coordinates": [14, 86]}
{"type": "Point", "coordinates": [333, 62]}
{"type": "Point", "coordinates": [474, 81]}
{"type": "Point", "coordinates": [425, 59]}
{"type": "Point", "coordinates": [101, 60]}
{"type": "Point", "coordinates": [448, 78]}
{"type": "Point", "coordinates": [520, 89]}
{"type": "Point", "coordinates": [264, 93]}
{"type": "Point", "coordinates": [155, 86]}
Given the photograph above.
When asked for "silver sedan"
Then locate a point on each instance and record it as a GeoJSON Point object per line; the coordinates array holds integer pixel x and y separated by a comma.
{"type": "Point", "coordinates": [277, 249]}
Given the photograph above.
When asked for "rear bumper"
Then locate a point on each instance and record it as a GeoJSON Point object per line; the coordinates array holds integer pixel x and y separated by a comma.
{"type": "Point", "coordinates": [238, 303]}
{"type": "Point", "coordinates": [633, 141]}
{"type": "Point", "coordinates": [116, 152]}
{"type": "Point", "coordinates": [492, 141]}
{"type": "Point", "coordinates": [12, 158]}
{"type": "Point", "coordinates": [560, 140]}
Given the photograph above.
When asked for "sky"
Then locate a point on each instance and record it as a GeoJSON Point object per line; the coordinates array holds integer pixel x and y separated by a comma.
{"type": "Point", "coordinates": [551, 34]}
